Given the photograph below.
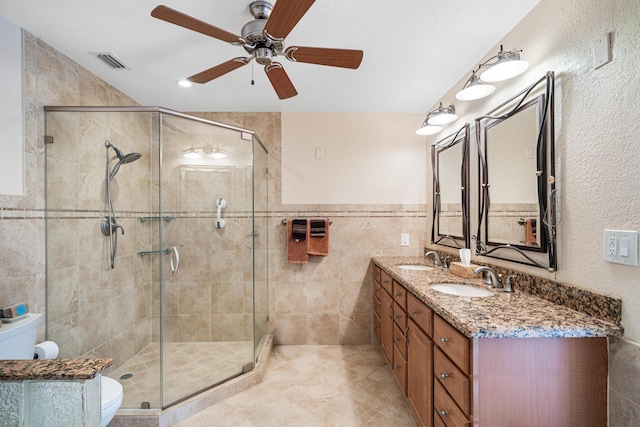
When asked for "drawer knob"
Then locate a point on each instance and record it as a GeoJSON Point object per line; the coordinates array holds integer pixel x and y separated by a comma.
{"type": "Point", "coordinates": [443, 413]}
{"type": "Point", "coordinates": [396, 339]}
{"type": "Point", "coordinates": [396, 367]}
{"type": "Point", "coordinates": [444, 340]}
{"type": "Point", "coordinates": [444, 376]}
{"type": "Point", "coordinates": [414, 312]}
{"type": "Point", "coordinates": [396, 316]}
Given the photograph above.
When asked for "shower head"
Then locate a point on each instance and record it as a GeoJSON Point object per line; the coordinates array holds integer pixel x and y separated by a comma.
{"type": "Point", "coordinates": [122, 158]}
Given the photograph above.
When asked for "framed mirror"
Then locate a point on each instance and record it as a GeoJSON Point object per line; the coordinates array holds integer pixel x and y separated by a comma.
{"type": "Point", "coordinates": [517, 178]}
{"type": "Point", "coordinates": [450, 165]}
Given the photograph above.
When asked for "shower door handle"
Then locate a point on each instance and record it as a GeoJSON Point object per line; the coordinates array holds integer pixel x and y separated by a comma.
{"type": "Point", "coordinates": [174, 261]}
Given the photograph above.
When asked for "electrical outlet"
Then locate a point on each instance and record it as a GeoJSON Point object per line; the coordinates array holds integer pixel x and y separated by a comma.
{"type": "Point", "coordinates": [404, 239]}
{"type": "Point", "coordinates": [620, 247]}
{"type": "Point", "coordinates": [612, 245]}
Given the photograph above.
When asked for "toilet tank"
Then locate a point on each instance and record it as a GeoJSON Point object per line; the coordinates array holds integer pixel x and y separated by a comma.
{"type": "Point", "coordinates": [18, 339]}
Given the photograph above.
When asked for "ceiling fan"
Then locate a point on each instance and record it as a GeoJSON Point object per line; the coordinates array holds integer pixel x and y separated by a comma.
{"type": "Point", "coordinates": [263, 39]}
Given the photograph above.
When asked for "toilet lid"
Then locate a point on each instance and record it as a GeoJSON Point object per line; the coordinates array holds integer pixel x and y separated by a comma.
{"type": "Point", "coordinates": [111, 392]}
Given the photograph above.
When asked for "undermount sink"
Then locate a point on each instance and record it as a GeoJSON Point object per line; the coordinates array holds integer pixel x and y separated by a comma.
{"type": "Point", "coordinates": [461, 290]}
{"type": "Point", "coordinates": [415, 267]}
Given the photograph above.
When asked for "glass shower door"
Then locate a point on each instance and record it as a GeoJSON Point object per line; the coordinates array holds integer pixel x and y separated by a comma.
{"type": "Point", "coordinates": [205, 278]}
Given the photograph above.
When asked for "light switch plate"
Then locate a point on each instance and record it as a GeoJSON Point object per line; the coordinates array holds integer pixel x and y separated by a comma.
{"type": "Point", "coordinates": [602, 51]}
{"type": "Point", "coordinates": [404, 239]}
{"type": "Point", "coordinates": [620, 247]}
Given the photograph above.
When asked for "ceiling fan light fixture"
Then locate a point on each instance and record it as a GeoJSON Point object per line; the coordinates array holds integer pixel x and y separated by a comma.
{"type": "Point", "coordinates": [474, 89]}
{"type": "Point", "coordinates": [184, 83]}
{"type": "Point", "coordinates": [442, 115]}
{"type": "Point", "coordinates": [507, 66]}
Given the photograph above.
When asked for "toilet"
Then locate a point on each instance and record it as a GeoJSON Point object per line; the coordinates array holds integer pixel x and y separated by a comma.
{"type": "Point", "coordinates": [18, 341]}
{"type": "Point", "coordinates": [111, 392]}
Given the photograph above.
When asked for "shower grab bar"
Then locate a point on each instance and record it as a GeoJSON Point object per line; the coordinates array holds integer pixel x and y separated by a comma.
{"type": "Point", "coordinates": [174, 261]}
{"type": "Point", "coordinates": [157, 251]}
{"type": "Point", "coordinates": [150, 218]}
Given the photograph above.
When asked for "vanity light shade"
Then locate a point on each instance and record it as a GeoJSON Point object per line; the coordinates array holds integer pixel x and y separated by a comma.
{"type": "Point", "coordinates": [442, 115]}
{"type": "Point", "coordinates": [474, 89]}
{"type": "Point", "coordinates": [427, 129]}
{"type": "Point", "coordinates": [217, 154]}
{"type": "Point", "coordinates": [191, 153]}
{"type": "Point", "coordinates": [507, 66]}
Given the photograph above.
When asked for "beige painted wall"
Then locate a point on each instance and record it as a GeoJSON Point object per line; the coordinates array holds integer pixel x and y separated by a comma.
{"type": "Point", "coordinates": [368, 158]}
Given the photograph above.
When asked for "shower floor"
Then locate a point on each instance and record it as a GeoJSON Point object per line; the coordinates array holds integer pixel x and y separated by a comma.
{"type": "Point", "coordinates": [188, 368]}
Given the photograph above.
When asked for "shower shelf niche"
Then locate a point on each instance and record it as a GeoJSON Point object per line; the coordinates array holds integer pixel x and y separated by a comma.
{"type": "Point", "coordinates": [153, 218]}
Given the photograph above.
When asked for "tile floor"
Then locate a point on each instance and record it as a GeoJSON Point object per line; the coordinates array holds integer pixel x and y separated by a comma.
{"type": "Point", "coordinates": [315, 385]}
{"type": "Point", "coordinates": [188, 368]}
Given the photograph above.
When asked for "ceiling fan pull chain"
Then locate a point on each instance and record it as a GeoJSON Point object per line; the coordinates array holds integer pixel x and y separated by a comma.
{"type": "Point", "coordinates": [253, 82]}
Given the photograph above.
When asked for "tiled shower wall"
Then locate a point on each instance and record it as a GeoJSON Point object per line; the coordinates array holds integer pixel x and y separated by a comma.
{"type": "Point", "coordinates": [50, 79]}
{"type": "Point", "coordinates": [94, 310]}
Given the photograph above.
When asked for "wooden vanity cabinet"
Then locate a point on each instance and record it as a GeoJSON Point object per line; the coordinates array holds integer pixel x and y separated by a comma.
{"type": "Point", "coordinates": [452, 380]}
{"type": "Point", "coordinates": [419, 360]}
{"type": "Point", "coordinates": [399, 335]}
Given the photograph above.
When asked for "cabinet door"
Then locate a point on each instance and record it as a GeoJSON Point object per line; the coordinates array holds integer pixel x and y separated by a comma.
{"type": "Point", "coordinates": [386, 325]}
{"type": "Point", "coordinates": [420, 374]}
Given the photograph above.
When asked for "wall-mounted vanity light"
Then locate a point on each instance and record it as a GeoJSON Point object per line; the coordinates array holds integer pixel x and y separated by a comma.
{"type": "Point", "coordinates": [505, 65]}
{"type": "Point", "coordinates": [194, 152]}
{"type": "Point", "coordinates": [436, 118]}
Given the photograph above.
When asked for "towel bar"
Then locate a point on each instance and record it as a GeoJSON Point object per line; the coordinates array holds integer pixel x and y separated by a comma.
{"type": "Point", "coordinates": [284, 221]}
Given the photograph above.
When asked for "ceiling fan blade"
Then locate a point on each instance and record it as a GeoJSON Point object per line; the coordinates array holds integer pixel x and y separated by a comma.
{"type": "Point", "coordinates": [345, 58]}
{"type": "Point", "coordinates": [280, 80]}
{"type": "Point", "coordinates": [219, 70]}
{"type": "Point", "coordinates": [178, 18]}
{"type": "Point", "coordinates": [284, 16]}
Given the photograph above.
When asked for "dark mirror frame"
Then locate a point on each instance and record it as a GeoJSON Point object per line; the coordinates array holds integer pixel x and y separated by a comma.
{"type": "Point", "coordinates": [462, 136]}
{"type": "Point", "coordinates": [546, 185]}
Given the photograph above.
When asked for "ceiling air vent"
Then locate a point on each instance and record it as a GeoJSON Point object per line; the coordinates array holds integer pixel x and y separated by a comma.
{"type": "Point", "coordinates": [111, 61]}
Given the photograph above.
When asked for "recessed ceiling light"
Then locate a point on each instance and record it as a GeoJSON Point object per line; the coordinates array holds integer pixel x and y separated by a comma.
{"type": "Point", "coordinates": [184, 83]}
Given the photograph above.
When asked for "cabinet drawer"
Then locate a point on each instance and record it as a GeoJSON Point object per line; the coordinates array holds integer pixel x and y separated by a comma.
{"type": "Point", "coordinates": [400, 295]}
{"type": "Point", "coordinates": [400, 340]}
{"type": "Point", "coordinates": [455, 382]}
{"type": "Point", "coordinates": [420, 314]}
{"type": "Point", "coordinates": [437, 421]}
{"type": "Point", "coordinates": [376, 290]}
{"type": "Point", "coordinates": [446, 409]}
{"type": "Point", "coordinates": [400, 369]}
{"type": "Point", "coordinates": [452, 343]}
{"type": "Point", "coordinates": [386, 282]}
{"type": "Point", "coordinates": [399, 316]}
{"type": "Point", "coordinates": [376, 273]}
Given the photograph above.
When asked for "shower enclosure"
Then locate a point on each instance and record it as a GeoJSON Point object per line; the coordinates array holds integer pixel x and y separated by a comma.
{"type": "Point", "coordinates": [162, 267]}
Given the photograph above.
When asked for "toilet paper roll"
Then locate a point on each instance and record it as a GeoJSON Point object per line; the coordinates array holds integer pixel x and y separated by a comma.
{"type": "Point", "coordinates": [46, 350]}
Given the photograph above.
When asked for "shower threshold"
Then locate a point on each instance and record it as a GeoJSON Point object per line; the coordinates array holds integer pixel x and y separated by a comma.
{"type": "Point", "coordinates": [192, 405]}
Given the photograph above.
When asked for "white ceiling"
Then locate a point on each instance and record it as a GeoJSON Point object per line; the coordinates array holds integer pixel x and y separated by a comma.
{"type": "Point", "coordinates": [414, 50]}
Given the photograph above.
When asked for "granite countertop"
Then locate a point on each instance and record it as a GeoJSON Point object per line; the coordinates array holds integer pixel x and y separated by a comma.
{"type": "Point", "coordinates": [52, 369]}
{"type": "Point", "coordinates": [502, 315]}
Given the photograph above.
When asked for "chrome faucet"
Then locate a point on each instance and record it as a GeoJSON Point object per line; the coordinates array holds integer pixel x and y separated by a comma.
{"type": "Point", "coordinates": [436, 258]}
{"type": "Point", "coordinates": [493, 279]}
